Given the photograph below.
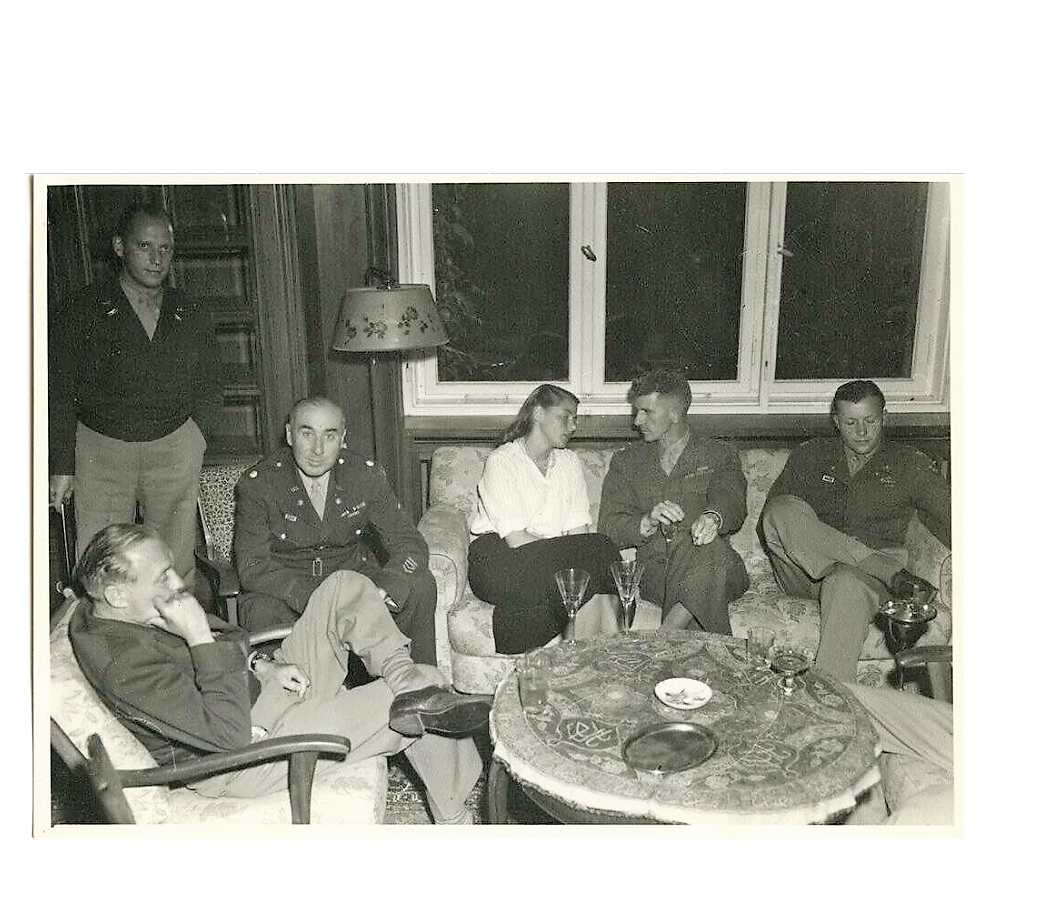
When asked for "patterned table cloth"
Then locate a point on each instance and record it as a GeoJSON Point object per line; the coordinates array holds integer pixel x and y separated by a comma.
{"type": "Point", "coordinates": [779, 760]}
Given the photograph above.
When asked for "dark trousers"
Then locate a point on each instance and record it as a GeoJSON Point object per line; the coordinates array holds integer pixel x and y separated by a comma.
{"type": "Point", "coordinates": [520, 583]}
{"type": "Point", "coordinates": [415, 618]}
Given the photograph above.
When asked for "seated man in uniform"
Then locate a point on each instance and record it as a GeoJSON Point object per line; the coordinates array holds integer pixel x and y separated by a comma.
{"type": "Point", "coordinates": [301, 514]}
{"type": "Point", "coordinates": [183, 684]}
{"type": "Point", "coordinates": [835, 522]}
{"type": "Point", "coordinates": [674, 478]}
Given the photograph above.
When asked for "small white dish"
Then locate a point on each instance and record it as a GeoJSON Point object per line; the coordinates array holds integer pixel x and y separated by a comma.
{"type": "Point", "coordinates": [683, 693]}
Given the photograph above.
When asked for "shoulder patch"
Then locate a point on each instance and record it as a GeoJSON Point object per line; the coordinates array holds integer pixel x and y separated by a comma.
{"type": "Point", "coordinates": [253, 473]}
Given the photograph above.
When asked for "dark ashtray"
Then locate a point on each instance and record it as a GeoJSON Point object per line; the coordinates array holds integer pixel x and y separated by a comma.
{"type": "Point", "coordinates": [669, 747]}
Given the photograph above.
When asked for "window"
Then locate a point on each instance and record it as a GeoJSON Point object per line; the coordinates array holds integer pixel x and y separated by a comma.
{"type": "Point", "coordinates": [768, 294]}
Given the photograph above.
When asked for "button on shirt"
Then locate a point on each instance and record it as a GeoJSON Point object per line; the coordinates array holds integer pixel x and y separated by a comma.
{"type": "Point", "coordinates": [514, 495]}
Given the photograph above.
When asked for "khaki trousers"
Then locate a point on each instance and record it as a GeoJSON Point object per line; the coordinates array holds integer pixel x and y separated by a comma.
{"type": "Point", "coordinates": [345, 612]}
{"type": "Point", "coordinates": [162, 476]}
{"type": "Point", "coordinates": [811, 559]}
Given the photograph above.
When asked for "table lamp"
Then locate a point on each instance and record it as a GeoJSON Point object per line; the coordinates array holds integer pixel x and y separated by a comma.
{"type": "Point", "coordinates": [387, 318]}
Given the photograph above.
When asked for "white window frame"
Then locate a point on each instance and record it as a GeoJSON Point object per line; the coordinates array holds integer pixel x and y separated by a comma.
{"type": "Point", "coordinates": [755, 389]}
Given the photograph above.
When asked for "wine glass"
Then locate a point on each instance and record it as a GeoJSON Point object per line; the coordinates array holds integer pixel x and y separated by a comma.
{"type": "Point", "coordinates": [789, 663]}
{"type": "Point", "coordinates": [571, 585]}
{"type": "Point", "coordinates": [627, 573]}
{"type": "Point", "coordinates": [668, 530]}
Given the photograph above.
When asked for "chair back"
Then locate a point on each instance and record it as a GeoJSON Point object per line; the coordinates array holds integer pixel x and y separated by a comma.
{"type": "Point", "coordinates": [217, 504]}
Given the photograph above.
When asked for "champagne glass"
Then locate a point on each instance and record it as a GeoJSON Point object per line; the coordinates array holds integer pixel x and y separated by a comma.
{"type": "Point", "coordinates": [627, 573]}
{"type": "Point", "coordinates": [571, 585]}
{"type": "Point", "coordinates": [668, 530]}
{"type": "Point", "coordinates": [789, 663]}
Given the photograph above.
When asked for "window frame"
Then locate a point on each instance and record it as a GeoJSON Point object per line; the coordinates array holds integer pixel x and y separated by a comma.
{"type": "Point", "coordinates": [754, 390]}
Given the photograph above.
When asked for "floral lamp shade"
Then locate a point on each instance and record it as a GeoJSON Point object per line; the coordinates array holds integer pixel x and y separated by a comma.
{"type": "Point", "coordinates": [375, 319]}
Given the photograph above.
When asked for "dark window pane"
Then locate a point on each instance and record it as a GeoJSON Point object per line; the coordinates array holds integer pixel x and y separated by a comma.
{"type": "Point", "coordinates": [851, 274]}
{"type": "Point", "coordinates": [502, 280]}
{"type": "Point", "coordinates": [674, 276]}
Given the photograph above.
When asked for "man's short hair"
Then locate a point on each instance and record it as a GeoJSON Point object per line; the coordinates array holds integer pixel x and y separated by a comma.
{"type": "Point", "coordinates": [104, 560]}
{"type": "Point", "coordinates": [662, 381]}
{"type": "Point", "coordinates": [141, 211]}
{"type": "Point", "coordinates": [316, 400]}
{"type": "Point", "coordinates": [856, 392]}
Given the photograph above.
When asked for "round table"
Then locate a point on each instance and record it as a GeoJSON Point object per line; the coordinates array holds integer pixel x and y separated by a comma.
{"type": "Point", "coordinates": [779, 760]}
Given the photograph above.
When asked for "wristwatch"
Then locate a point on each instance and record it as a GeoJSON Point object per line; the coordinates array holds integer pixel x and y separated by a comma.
{"type": "Point", "coordinates": [253, 658]}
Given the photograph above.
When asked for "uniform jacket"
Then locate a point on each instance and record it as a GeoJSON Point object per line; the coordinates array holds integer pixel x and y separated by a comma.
{"type": "Point", "coordinates": [874, 505]}
{"type": "Point", "coordinates": [283, 549]}
{"type": "Point", "coordinates": [707, 476]}
{"type": "Point", "coordinates": [180, 702]}
{"type": "Point", "coordinates": [107, 374]}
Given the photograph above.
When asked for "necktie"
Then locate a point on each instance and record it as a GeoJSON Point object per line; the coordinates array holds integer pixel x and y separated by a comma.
{"type": "Point", "coordinates": [315, 494]}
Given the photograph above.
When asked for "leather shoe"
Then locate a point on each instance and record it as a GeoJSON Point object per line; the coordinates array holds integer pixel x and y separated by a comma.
{"type": "Point", "coordinates": [440, 710]}
{"type": "Point", "coordinates": [904, 585]}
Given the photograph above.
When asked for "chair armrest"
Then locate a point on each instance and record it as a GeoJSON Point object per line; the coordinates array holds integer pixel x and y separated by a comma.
{"type": "Point", "coordinates": [919, 656]}
{"type": "Point", "coordinates": [445, 530]}
{"type": "Point", "coordinates": [302, 749]}
{"type": "Point", "coordinates": [222, 575]}
{"type": "Point", "coordinates": [216, 763]}
{"type": "Point", "coordinates": [276, 633]}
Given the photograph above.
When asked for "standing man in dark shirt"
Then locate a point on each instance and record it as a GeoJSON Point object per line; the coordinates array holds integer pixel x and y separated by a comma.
{"type": "Point", "coordinates": [835, 522]}
{"type": "Point", "coordinates": [301, 515]}
{"type": "Point", "coordinates": [136, 384]}
{"type": "Point", "coordinates": [674, 477]}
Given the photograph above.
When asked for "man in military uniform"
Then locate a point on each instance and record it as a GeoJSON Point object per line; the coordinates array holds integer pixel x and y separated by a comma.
{"type": "Point", "coordinates": [673, 478]}
{"type": "Point", "coordinates": [301, 514]}
{"type": "Point", "coordinates": [835, 522]}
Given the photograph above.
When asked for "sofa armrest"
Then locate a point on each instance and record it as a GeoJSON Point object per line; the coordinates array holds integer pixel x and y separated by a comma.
{"type": "Point", "coordinates": [931, 559]}
{"type": "Point", "coordinates": [445, 530]}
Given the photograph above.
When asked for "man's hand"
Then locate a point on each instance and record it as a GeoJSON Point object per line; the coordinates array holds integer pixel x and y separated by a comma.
{"type": "Point", "coordinates": [704, 529]}
{"type": "Point", "coordinates": [181, 614]}
{"type": "Point", "coordinates": [287, 675]}
{"type": "Point", "coordinates": [664, 511]}
{"type": "Point", "coordinates": [59, 488]}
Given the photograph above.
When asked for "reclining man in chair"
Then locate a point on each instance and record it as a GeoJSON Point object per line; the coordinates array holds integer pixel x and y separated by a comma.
{"type": "Point", "coordinates": [185, 687]}
{"type": "Point", "coordinates": [301, 514]}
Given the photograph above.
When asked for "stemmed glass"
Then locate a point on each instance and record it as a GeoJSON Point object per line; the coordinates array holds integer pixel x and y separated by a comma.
{"type": "Point", "coordinates": [668, 530]}
{"type": "Point", "coordinates": [789, 663]}
{"type": "Point", "coordinates": [627, 573]}
{"type": "Point", "coordinates": [571, 585]}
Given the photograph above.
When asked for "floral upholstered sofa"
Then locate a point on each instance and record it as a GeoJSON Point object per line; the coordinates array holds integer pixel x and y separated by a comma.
{"type": "Point", "coordinates": [343, 793]}
{"type": "Point", "coordinates": [464, 624]}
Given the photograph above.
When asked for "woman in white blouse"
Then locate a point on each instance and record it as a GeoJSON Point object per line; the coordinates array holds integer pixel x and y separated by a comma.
{"type": "Point", "coordinates": [534, 519]}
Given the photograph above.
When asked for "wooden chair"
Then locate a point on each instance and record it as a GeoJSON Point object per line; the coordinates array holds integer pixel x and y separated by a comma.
{"type": "Point", "coordinates": [106, 782]}
{"type": "Point", "coordinates": [83, 729]}
{"type": "Point", "coordinates": [937, 662]}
